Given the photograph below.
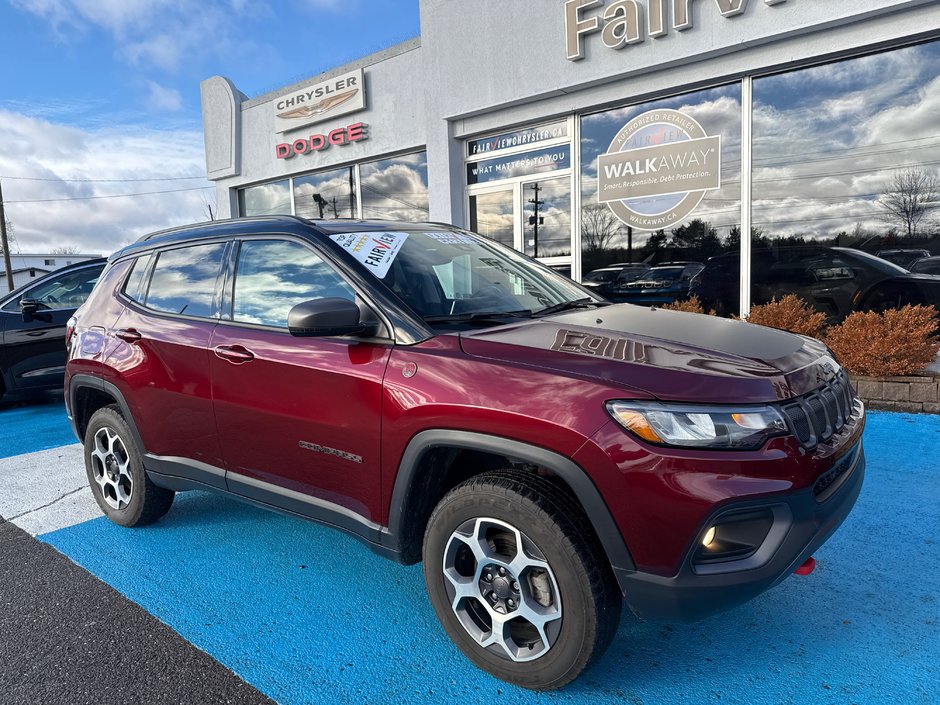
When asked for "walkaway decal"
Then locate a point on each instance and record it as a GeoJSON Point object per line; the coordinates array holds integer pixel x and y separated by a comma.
{"type": "Point", "coordinates": [657, 169]}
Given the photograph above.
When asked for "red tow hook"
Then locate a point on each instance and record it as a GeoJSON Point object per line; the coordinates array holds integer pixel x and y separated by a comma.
{"type": "Point", "coordinates": [808, 567]}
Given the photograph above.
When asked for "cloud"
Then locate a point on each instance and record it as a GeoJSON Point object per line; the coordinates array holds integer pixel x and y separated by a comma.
{"type": "Point", "coordinates": [40, 149]}
{"type": "Point", "coordinates": [163, 98]}
{"type": "Point", "coordinates": [190, 30]}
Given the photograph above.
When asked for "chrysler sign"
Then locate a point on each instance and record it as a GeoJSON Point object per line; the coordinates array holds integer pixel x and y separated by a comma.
{"type": "Point", "coordinates": [657, 169]}
{"type": "Point", "coordinates": [337, 96]}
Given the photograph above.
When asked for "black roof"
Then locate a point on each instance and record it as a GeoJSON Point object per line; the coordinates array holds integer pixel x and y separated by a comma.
{"type": "Point", "coordinates": [268, 224]}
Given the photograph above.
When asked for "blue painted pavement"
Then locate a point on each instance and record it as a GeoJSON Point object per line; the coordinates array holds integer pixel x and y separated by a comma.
{"type": "Point", "coordinates": [308, 615]}
{"type": "Point", "coordinates": [39, 426]}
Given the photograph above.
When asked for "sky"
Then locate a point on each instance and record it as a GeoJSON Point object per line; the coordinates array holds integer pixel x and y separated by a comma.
{"type": "Point", "coordinates": [101, 97]}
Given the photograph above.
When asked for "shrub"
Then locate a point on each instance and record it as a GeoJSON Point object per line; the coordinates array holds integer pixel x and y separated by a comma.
{"type": "Point", "coordinates": [789, 313]}
{"type": "Point", "coordinates": [896, 342]}
{"type": "Point", "coordinates": [690, 305]}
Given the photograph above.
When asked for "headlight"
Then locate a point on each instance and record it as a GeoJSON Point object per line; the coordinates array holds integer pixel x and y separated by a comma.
{"type": "Point", "coordinates": [692, 426]}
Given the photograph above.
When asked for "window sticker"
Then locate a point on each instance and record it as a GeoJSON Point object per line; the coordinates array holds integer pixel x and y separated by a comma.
{"type": "Point", "coordinates": [375, 250]}
{"type": "Point", "coordinates": [451, 238]}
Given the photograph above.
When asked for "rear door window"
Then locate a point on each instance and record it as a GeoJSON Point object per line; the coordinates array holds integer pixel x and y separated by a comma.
{"type": "Point", "coordinates": [185, 281]}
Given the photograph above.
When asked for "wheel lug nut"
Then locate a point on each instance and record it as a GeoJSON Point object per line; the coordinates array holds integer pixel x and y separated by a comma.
{"type": "Point", "coordinates": [488, 577]}
{"type": "Point", "coordinates": [515, 586]}
{"type": "Point", "coordinates": [511, 602]}
{"type": "Point", "coordinates": [502, 571]}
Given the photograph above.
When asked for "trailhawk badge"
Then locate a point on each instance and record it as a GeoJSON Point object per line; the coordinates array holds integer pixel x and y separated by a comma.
{"type": "Point", "coordinates": [657, 169]}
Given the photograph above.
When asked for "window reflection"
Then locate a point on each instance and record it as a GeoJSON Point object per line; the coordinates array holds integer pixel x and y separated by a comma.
{"type": "Point", "coordinates": [710, 230]}
{"type": "Point", "coordinates": [546, 222]}
{"type": "Point", "coordinates": [846, 169]}
{"type": "Point", "coordinates": [184, 280]}
{"type": "Point", "coordinates": [273, 276]}
{"type": "Point", "coordinates": [266, 199]}
{"type": "Point", "coordinates": [395, 189]}
{"type": "Point", "coordinates": [327, 194]}
{"type": "Point", "coordinates": [491, 215]}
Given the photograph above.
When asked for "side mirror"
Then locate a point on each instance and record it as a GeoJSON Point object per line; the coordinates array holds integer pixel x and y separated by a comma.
{"type": "Point", "coordinates": [30, 310]}
{"type": "Point", "coordinates": [326, 317]}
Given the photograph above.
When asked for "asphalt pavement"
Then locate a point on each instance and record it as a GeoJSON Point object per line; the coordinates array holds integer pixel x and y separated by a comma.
{"type": "Point", "coordinates": [304, 614]}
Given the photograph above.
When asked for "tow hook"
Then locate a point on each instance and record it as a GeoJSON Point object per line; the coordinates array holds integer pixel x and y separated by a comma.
{"type": "Point", "coordinates": [809, 565]}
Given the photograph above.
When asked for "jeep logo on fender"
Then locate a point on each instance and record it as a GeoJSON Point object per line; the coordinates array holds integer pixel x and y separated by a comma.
{"type": "Point", "coordinates": [657, 169]}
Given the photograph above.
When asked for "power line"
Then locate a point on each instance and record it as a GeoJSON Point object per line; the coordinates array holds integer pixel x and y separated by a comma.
{"type": "Point", "coordinates": [116, 195]}
{"type": "Point", "coordinates": [104, 181]}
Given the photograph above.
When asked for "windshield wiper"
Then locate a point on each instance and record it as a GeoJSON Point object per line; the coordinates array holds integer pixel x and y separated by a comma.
{"type": "Point", "coordinates": [479, 316]}
{"type": "Point", "coordinates": [586, 302]}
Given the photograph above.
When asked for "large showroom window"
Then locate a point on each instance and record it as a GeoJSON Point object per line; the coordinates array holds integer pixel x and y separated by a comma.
{"type": "Point", "coordinates": [660, 194]}
{"type": "Point", "coordinates": [396, 188]}
{"type": "Point", "coordinates": [846, 181]}
{"type": "Point", "coordinates": [326, 194]}
{"type": "Point", "coordinates": [266, 199]}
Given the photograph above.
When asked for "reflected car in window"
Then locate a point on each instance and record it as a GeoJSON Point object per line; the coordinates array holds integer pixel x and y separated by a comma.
{"type": "Point", "coordinates": [832, 280]}
{"type": "Point", "coordinates": [610, 280]}
{"type": "Point", "coordinates": [665, 284]}
{"type": "Point", "coordinates": [33, 322]}
{"type": "Point", "coordinates": [903, 257]}
{"type": "Point", "coordinates": [926, 265]}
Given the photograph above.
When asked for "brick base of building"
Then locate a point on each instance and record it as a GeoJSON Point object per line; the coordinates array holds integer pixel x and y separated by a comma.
{"type": "Point", "coordinates": [917, 394]}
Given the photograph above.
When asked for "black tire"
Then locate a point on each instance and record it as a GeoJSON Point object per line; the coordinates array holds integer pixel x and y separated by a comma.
{"type": "Point", "coordinates": [589, 604]}
{"type": "Point", "coordinates": [140, 502]}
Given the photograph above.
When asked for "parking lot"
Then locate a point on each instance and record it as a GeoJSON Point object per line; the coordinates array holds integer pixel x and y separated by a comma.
{"type": "Point", "coordinates": [306, 615]}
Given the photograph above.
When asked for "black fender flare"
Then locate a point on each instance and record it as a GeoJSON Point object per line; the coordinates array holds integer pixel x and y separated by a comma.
{"type": "Point", "coordinates": [576, 478]}
{"type": "Point", "coordinates": [86, 381]}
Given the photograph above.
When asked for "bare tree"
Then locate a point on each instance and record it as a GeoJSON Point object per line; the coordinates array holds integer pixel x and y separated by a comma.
{"type": "Point", "coordinates": [65, 250]}
{"type": "Point", "coordinates": [910, 196]}
{"type": "Point", "coordinates": [599, 227]}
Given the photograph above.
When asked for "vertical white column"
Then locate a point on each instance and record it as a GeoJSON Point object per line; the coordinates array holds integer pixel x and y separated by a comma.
{"type": "Point", "coordinates": [574, 123]}
{"type": "Point", "coordinates": [746, 115]}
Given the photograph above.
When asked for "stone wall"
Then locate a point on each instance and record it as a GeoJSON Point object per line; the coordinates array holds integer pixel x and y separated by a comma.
{"type": "Point", "coordinates": [919, 394]}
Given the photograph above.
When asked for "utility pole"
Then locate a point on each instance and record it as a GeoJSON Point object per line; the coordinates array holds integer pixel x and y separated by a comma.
{"type": "Point", "coordinates": [4, 243]}
{"type": "Point", "coordinates": [352, 196]}
{"type": "Point", "coordinates": [535, 220]}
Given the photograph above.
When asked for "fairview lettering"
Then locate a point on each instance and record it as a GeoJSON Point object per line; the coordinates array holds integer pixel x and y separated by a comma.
{"type": "Point", "coordinates": [621, 22]}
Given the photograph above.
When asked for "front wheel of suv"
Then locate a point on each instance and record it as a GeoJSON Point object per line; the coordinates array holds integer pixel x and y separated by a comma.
{"type": "Point", "coordinates": [116, 473]}
{"type": "Point", "coordinates": [518, 579]}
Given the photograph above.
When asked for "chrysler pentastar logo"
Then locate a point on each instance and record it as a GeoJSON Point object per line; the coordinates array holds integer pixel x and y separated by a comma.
{"type": "Point", "coordinates": [319, 108]}
{"type": "Point", "coordinates": [318, 102]}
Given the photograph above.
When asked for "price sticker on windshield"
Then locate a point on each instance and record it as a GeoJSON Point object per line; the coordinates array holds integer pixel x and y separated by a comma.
{"type": "Point", "coordinates": [376, 250]}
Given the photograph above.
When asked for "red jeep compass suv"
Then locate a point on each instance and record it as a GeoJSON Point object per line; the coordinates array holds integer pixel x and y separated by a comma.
{"type": "Point", "coordinates": [547, 454]}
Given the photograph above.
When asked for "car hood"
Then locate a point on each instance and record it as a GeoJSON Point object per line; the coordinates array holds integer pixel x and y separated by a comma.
{"type": "Point", "coordinates": [669, 355]}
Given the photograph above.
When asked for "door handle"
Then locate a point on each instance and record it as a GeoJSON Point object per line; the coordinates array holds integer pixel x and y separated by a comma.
{"type": "Point", "coordinates": [128, 335]}
{"type": "Point", "coordinates": [236, 354]}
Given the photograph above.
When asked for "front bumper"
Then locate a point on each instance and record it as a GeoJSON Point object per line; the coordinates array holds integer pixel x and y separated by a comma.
{"type": "Point", "coordinates": [803, 522]}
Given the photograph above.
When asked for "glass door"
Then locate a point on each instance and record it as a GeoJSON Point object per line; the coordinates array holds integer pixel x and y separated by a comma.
{"type": "Point", "coordinates": [492, 215]}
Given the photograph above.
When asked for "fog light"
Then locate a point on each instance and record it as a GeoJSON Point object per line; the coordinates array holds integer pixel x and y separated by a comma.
{"type": "Point", "coordinates": [709, 537]}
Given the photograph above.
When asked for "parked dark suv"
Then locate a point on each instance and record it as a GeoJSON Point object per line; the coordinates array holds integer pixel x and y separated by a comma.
{"type": "Point", "coordinates": [441, 397]}
{"type": "Point", "coordinates": [32, 325]}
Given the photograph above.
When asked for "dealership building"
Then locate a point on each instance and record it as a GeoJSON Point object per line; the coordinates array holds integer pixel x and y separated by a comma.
{"type": "Point", "coordinates": [589, 133]}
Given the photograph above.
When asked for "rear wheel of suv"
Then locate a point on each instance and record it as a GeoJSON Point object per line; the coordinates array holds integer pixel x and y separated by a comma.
{"type": "Point", "coordinates": [116, 474]}
{"type": "Point", "coordinates": [518, 580]}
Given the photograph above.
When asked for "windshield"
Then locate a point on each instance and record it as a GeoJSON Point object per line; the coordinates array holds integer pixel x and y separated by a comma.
{"type": "Point", "coordinates": [664, 273]}
{"type": "Point", "coordinates": [456, 273]}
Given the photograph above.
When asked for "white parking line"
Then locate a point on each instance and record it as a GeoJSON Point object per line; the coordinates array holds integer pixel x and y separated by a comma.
{"type": "Point", "coordinates": [47, 490]}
